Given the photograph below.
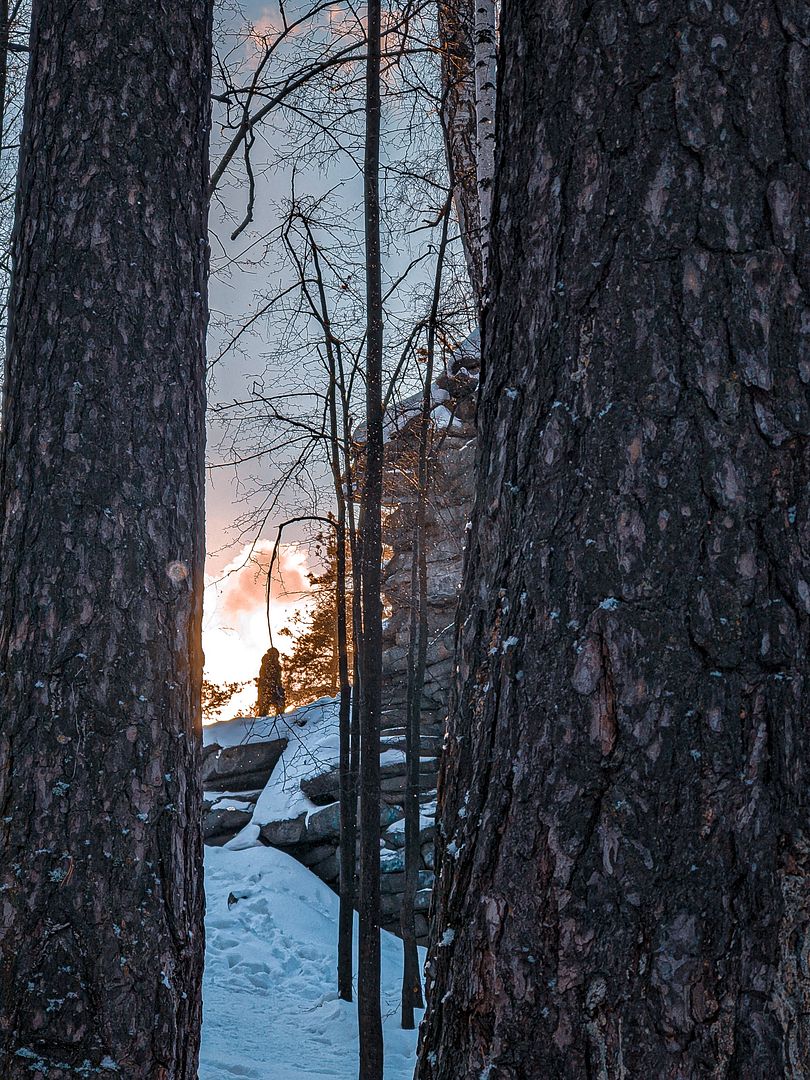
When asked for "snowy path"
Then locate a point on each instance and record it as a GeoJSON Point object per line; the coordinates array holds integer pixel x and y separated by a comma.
{"type": "Point", "coordinates": [270, 1008]}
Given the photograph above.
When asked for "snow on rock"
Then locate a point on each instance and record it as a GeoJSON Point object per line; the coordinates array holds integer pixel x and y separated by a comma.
{"type": "Point", "coordinates": [392, 757]}
{"type": "Point", "coordinates": [426, 822]}
{"type": "Point", "coordinates": [231, 802]}
{"type": "Point", "coordinates": [313, 748]}
{"type": "Point", "coordinates": [271, 1011]}
{"type": "Point", "coordinates": [244, 729]}
{"type": "Point", "coordinates": [298, 808]}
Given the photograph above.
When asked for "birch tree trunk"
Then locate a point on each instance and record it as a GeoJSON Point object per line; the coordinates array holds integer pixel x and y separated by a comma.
{"type": "Point", "coordinates": [456, 20]}
{"type": "Point", "coordinates": [624, 885]}
{"type": "Point", "coordinates": [486, 45]}
{"type": "Point", "coordinates": [101, 571]}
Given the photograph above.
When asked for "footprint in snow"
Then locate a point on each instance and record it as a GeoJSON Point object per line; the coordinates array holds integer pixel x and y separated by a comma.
{"type": "Point", "coordinates": [223, 942]}
{"type": "Point", "coordinates": [234, 1069]}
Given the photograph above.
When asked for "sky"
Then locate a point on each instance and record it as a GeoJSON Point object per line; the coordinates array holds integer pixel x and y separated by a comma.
{"type": "Point", "coordinates": [235, 633]}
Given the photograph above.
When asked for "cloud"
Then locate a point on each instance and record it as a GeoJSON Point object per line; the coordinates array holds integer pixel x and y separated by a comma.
{"type": "Point", "coordinates": [235, 619]}
{"type": "Point", "coordinates": [243, 583]}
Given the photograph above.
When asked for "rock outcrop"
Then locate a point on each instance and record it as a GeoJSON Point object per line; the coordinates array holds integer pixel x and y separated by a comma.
{"type": "Point", "coordinates": [309, 828]}
{"type": "Point", "coordinates": [448, 510]}
{"type": "Point", "coordinates": [311, 833]}
{"type": "Point", "coordinates": [240, 768]}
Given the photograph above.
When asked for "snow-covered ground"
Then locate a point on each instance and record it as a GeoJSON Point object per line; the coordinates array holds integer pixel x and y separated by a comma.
{"type": "Point", "coordinates": [270, 1007]}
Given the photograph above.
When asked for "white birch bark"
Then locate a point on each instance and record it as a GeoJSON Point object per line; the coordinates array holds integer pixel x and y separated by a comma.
{"type": "Point", "coordinates": [456, 31]}
{"type": "Point", "coordinates": [486, 41]}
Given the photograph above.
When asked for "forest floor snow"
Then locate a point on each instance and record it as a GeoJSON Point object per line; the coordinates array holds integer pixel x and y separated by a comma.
{"type": "Point", "coordinates": [270, 1007]}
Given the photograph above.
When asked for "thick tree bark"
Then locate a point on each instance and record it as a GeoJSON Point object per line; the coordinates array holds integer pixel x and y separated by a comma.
{"type": "Point", "coordinates": [624, 886]}
{"type": "Point", "coordinates": [369, 1011]}
{"type": "Point", "coordinates": [101, 574]}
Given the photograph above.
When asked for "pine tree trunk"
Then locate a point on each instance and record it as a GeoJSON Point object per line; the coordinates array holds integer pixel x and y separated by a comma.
{"type": "Point", "coordinates": [101, 572]}
{"type": "Point", "coordinates": [625, 876]}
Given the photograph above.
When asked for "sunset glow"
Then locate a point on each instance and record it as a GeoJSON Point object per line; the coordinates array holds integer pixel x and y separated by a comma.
{"type": "Point", "coordinates": [235, 633]}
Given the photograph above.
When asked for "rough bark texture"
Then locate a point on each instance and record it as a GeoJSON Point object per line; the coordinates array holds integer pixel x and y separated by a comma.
{"type": "Point", "coordinates": [624, 868]}
{"type": "Point", "coordinates": [101, 495]}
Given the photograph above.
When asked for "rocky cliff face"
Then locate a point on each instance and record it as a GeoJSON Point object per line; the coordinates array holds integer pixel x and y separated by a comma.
{"type": "Point", "coordinates": [449, 505]}
{"type": "Point", "coordinates": [448, 512]}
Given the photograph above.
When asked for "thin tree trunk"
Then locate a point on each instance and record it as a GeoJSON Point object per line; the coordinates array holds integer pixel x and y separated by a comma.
{"type": "Point", "coordinates": [411, 979]}
{"type": "Point", "coordinates": [348, 788]}
{"type": "Point", "coordinates": [370, 1019]}
{"type": "Point", "coordinates": [417, 659]}
{"type": "Point", "coordinates": [9, 16]}
{"type": "Point", "coordinates": [4, 38]}
{"type": "Point", "coordinates": [338, 442]}
{"type": "Point", "coordinates": [486, 46]}
{"type": "Point", "coordinates": [101, 573]}
{"type": "Point", "coordinates": [354, 533]}
{"type": "Point", "coordinates": [624, 885]}
{"type": "Point", "coordinates": [335, 668]}
{"type": "Point", "coordinates": [456, 22]}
